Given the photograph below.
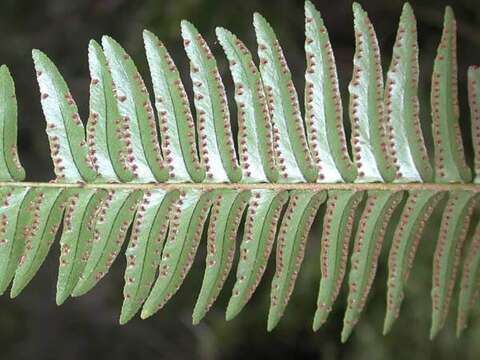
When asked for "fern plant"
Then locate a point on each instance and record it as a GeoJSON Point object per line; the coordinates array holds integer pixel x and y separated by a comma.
{"type": "Point", "coordinates": [156, 170]}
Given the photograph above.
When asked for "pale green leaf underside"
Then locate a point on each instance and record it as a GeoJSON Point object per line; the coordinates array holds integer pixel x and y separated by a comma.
{"type": "Point", "coordinates": [44, 217]}
{"type": "Point", "coordinates": [213, 117]}
{"type": "Point", "coordinates": [450, 163]}
{"type": "Point", "coordinates": [77, 238]}
{"type": "Point", "coordinates": [180, 248]}
{"type": "Point", "coordinates": [290, 143]}
{"type": "Point", "coordinates": [255, 128]}
{"type": "Point", "coordinates": [371, 148]}
{"type": "Point", "coordinates": [65, 130]}
{"type": "Point", "coordinates": [291, 243]}
{"type": "Point", "coordinates": [323, 104]}
{"type": "Point", "coordinates": [111, 225]}
{"type": "Point", "coordinates": [10, 167]}
{"type": "Point", "coordinates": [402, 106]}
{"type": "Point", "coordinates": [144, 250]}
{"type": "Point", "coordinates": [446, 259]}
{"type": "Point", "coordinates": [337, 231]}
{"type": "Point", "coordinates": [225, 218]}
{"type": "Point", "coordinates": [167, 176]}
{"type": "Point", "coordinates": [373, 223]}
{"type": "Point", "coordinates": [105, 135]}
{"type": "Point", "coordinates": [175, 118]}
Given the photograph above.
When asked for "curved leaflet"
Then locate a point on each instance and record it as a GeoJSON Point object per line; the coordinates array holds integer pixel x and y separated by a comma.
{"type": "Point", "coordinates": [409, 231]}
{"type": "Point", "coordinates": [111, 225]}
{"type": "Point", "coordinates": [77, 237]}
{"type": "Point", "coordinates": [213, 118]}
{"type": "Point", "coordinates": [446, 259]}
{"type": "Point", "coordinates": [44, 214]}
{"type": "Point", "coordinates": [255, 128]}
{"type": "Point", "coordinates": [175, 118]}
{"type": "Point", "coordinates": [225, 217]}
{"type": "Point", "coordinates": [260, 228]}
{"type": "Point", "coordinates": [144, 157]}
{"type": "Point", "coordinates": [291, 242]}
{"type": "Point", "coordinates": [337, 231]}
{"type": "Point", "coordinates": [323, 104]}
{"type": "Point", "coordinates": [186, 227]}
{"type": "Point", "coordinates": [290, 143]}
{"type": "Point", "coordinates": [144, 250]}
{"type": "Point", "coordinates": [66, 134]}
{"type": "Point", "coordinates": [366, 250]}
{"type": "Point", "coordinates": [10, 167]}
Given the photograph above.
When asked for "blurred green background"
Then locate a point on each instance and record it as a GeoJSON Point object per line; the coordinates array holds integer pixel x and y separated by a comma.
{"type": "Point", "coordinates": [32, 326]}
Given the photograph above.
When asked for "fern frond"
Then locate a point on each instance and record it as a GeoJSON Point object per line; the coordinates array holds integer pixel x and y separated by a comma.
{"type": "Point", "coordinates": [170, 177]}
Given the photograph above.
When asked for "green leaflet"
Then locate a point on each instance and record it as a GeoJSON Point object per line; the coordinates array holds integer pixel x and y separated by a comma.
{"type": "Point", "coordinates": [143, 253]}
{"type": "Point", "coordinates": [10, 167]}
{"type": "Point", "coordinates": [77, 237]}
{"type": "Point", "coordinates": [291, 242]}
{"type": "Point", "coordinates": [450, 163]}
{"type": "Point", "coordinates": [44, 214]}
{"type": "Point", "coordinates": [213, 118]}
{"type": "Point", "coordinates": [105, 136]}
{"type": "Point", "coordinates": [474, 103]}
{"type": "Point", "coordinates": [402, 107]}
{"type": "Point", "coordinates": [111, 225]}
{"type": "Point", "coordinates": [225, 219]}
{"type": "Point", "coordinates": [378, 210]}
{"type": "Point", "coordinates": [255, 128]}
{"type": "Point", "coordinates": [290, 144]}
{"type": "Point", "coordinates": [370, 132]}
{"type": "Point", "coordinates": [446, 259]}
{"type": "Point", "coordinates": [13, 204]}
{"type": "Point", "coordinates": [186, 227]}
{"type": "Point", "coordinates": [66, 134]}
{"type": "Point", "coordinates": [470, 283]}
{"type": "Point", "coordinates": [409, 231]}
{"type": "Point", "coordinates": [144, 157]}
{"type": "Point", "coordinates": [337, 231]}
{"type": "Point", "coordinates": [259, 234]}
{"type": "Point", "coordinates": [176, 121]}
{"type": "Point", "coordinates": [323, 104]}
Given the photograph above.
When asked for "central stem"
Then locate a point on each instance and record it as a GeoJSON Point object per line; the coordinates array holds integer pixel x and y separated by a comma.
{"type": "Point", "coordinates": [240, 186]}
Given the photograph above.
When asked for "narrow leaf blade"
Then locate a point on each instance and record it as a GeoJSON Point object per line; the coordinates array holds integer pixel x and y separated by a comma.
{"type": "Point", "coordinates": [173, 108]}
{"type": "Point", "coordinates": [65, 130]}
{"type": "Point", "coordinates": [255, 128]}
{"type": "Point", "coordinates": [290, 143]}
{"type": "Point", "coordinates": [77, 237]}
{"type": "Point", "coordinates": [137, 117]}
{"type": "Point", "coordinates": [376, 215]}
{"type": "Point", "coordinates": [416, 212]}
{"type": "Point", "coordinates": [371, 147]}
{"type": "Point", "coordinates": [144, 249]}
{"type": "Point", "coordinates": [470, 284]}
{"type": "Point", "coordinates": [110, 229]}
{"type": "Point", "coordinates": [323, 104]}
{"type": "Point", "coordinates": [107, 145]}
{"type": "Point", "coordinates": [186, 227]}
{"type": "Point", "coordinates": [259, 234]}
{"type": "Point", "coordinates": [213, 117]}
{"type": "Point", "coordinates": [46, 211]}
{"type": "Point", "coordinates": [337, 231]}
{"type": "Point", "coordinates": [446, 259]}
{"type": "Point", "coordinates": [291, 243]}
{"type": "Point", "coordinates": [450, 165]}
{"type": "Point", "coordinates": [14, 201]}
{"type": "Point", "coordinates": [225, 218]}
{"type": "Point", "coordinates": [10, 167]}
{"type": "Point", "coordinates": [402, 107]}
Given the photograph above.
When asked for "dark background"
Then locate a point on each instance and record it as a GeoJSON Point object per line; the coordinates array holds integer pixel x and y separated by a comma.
{"type": "Point", "coordinates": [32, 326]}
